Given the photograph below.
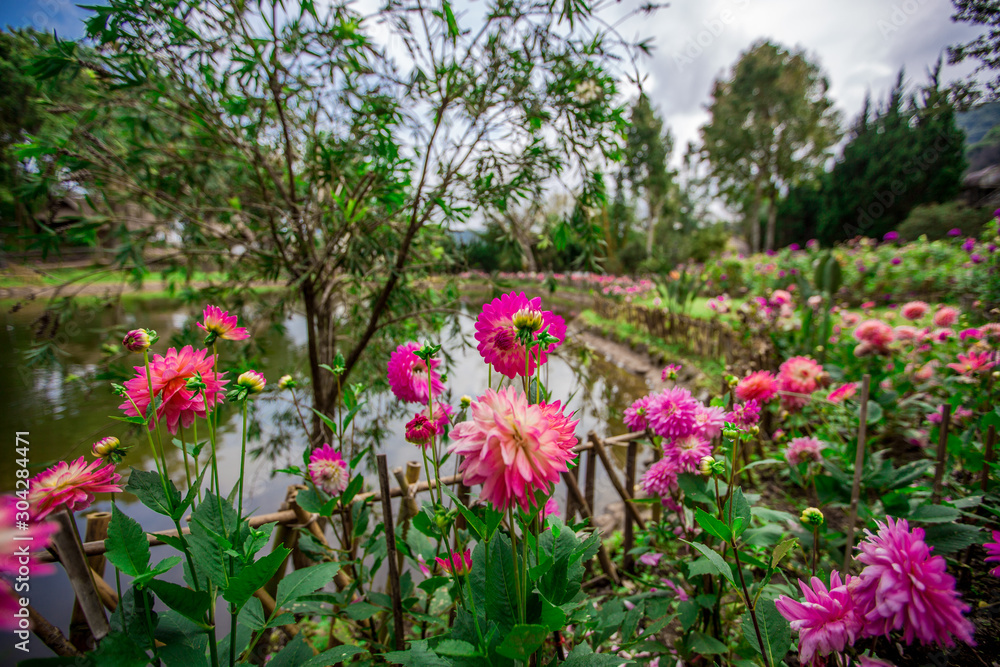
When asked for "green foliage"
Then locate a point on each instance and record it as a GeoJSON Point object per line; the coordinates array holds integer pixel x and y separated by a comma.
{"type": "Point", "coordinates": [935, 221]}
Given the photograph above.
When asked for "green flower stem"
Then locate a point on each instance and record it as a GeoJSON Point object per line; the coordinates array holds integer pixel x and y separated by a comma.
{"type": "Point", "coordinates": [118, 574]}
{"type": "Point", "coordinates": [517, 576]}
{"type": "Point", "coordinates": [815, 548]}
{"type": "Point", "coordinates": [215, 458]}
{"type": "Point", "coordinates": [152, 404]}
{"type": "Point", "coordinates": [243, 458]}
{"type": "Point", "coordinates": [434, 453]}
{"type": "Point", "coordinates": [187, 468]}
{"type": "Point", "coordinates": [213, 645]}
{"type": "Point", "coordinates": [750, 605]}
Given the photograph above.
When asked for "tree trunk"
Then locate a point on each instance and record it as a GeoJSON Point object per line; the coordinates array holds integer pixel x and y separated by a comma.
{"type": "Point", "coordinates": [321, 344]}
{"type": "Point", "coordinates": [754, 219]}
{"type": "Point", "coordinates": [772, 216]}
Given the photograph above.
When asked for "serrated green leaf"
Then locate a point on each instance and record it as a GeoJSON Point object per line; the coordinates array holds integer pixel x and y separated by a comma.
{"type": "Point", "coordinates": [254, 576]}
{"type": "Point", "coordinates": [775, 631]}
{"type": "Point", "coordinates": [126, 545]}
{"type": "Point", "coordinates": [716, 560]}
{"type": "Point", "coordinates": [192, 605]}
{"type": "Point", "coordinates": [334, 656]}
{"type": "Point", "coordinates": [712, 526]}
{"type": "Point", "coordinates": [149, 489]}
{"type": "Point", "coordinates": [781, 551]}
{"type": "Point", "coordinates": [522, 641]}
{"type": "Point", "coordinates": [304, 581]}
{"type": "Point", "coordinates": [456, 648]}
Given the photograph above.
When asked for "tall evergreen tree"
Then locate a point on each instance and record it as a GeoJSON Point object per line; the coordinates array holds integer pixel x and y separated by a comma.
{"type": "Point", "coordinates": [647, 151]}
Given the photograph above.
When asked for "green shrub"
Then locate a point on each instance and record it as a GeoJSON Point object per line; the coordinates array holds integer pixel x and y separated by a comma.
{"type": "Point", "coordinates": [935, 220]}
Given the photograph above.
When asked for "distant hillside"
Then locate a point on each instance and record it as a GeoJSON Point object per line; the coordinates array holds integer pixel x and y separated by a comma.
{"type": "Point", "coordinates": [977, 121]}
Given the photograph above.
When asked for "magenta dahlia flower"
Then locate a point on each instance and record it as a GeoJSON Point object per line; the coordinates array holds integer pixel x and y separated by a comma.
{"type": "Point", "coordinates": [827, 621]}
{"type": "Point", "coordinates": [973, 362]}
{"type": "Point", "coordinates": [945, 317]}
{"type": "Point", "coordinates": [804, 449]}
{"type": "Point", "coordinates": [760, 386]}
{"type": "Point", "coordinates": [637, 415]}
{"type": "Point", "coordinates": [914, 310]}
{"type": "Point", "coordinates": [551, 508]}
{"type": "Point", "coordinates": [798, 377]}
{"type": "Point", "coordinates": [442, 416]}
{"type": "Point", "coordinates": [496, 332]}
{"type": "Point", "coordinates": [70, 485]}
{"type": "Point", "coordinates": [408, 373]}
{"type": "Point", "coordinates": [169, 375]}
{"type": "Point", "coordinates": [745, 415]}
{"type": "Point", "coordinates": [328, 470]}
{"type": "Point", "coordinates": [672, 413]}
{"type": "Point", "coordinates": [420, 430]}
{"type": "Point", "coordinates": [661, 478]}
{"type": "Point", "coordinates": [220, 324]}
{"type": "Point", "coordinates": [687, 451]}
{"type": "Point", "coordinates": [709, 421]}
{"type": "Point", "coordinates": [843, 392]}
{"type": "Point", "coordinates": [515, 450]}
{"type": "Point", "coordinates": [993, 551]}
{"type": "Point", "coordinates": [903, 587]}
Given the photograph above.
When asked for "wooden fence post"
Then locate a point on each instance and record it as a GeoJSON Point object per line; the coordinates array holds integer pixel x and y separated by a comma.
{"type": "Point", "coordinates": [96, 529]}
{"type": "Point", "coordinates": [625, 495]}
{"type": "Point", "coordinates": [390, 543]}
{"type": "Point", "coordinates": [629, 532]}
{"type": "Point", "coordinates": [81, 577]}
{"type": "Point", "coordinates": [991, 442]}
{"type": "Point", "coordinates": [602, 553]}
{"type": "Point", "coordinates": [942, 452]}
{"type": "Point", "coordinates": [591, 476]}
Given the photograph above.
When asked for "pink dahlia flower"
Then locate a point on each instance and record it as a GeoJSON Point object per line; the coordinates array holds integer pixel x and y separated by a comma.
{"type": "Point", "coordinates": [745, 415]}
{"type": "Point", "coordinates": [798, 375]}
{"type": "Point", "coordinates": [945, 317]}
{"type": "Point", "coordinates": [914, 310]}
{"type": "Point", "coordinates": [458, 564]}
{"type": "Point", "coordinates": [661, 478]}
{"type": "Point", "coordinates": [687, 451]}
{"type": "Point", "coordinates": [515, 450]}
{"type": "Point", "coordinates": [497, 333]}
{"type": "Point", "coordinates": [973, 362]}
{"type": "Point", "coordinates": [672, 412]}
{"type": "Point", "coordinates": [637, 415]}
{"type": "Point", "coordinates": [760, 386]}
{"type": "Point", "coordinates": [709, 421]}
{"type": "Point", "coordinates": [442, 415]}
{"type": "Point", "coordinates": [843, 392]}
{"type": "Point", "coordinates": [903, 587]}
{"type": "Point", "coordinates": [993, 553]}
{"type": "Point", "coordinates": [551, 508]}
{"type": "Point", "coordinates": [419, 430]}
{"type": "Point", "coordinates": [800, 450]}
{"type": "Point", "coordinates": [37, 536]}
{"type": "Point", "coordinates": [221, 324]}
{"type": "Point", "coordinates": [169, 375]}
{"type": "Point", "coordinates": [827, 621]}
{"type": "Point", "coordinates": [876, 334]}
{"type": "Point", "coordinates": [970, 334]}
{"type": "Point", "coordinates": [70, 485]}
{"type": "Point", "coordinates": [905, 332]}
{"type": "Point", "coordinates": [408, 373]}
{"type": "Point", "coordinates": [328, 470]}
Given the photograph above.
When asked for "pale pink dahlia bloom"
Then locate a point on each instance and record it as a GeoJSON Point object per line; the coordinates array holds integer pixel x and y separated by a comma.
{"type": "Point", "coordinates": [408, 373]}
{"type": "Point", "coordinates": [497, 333]}
{"type": "Point", "coordinates": [551, 508]}
{"type": "Point", "coordinates": [945, 317]}
{"type": "Point", "coordinates": [169, 376]}
{"type": "Point", "coordinates": [843, 392]}
{"type": "Point", "coordinates": [672, 412]}
{"type": "Point", "coordinates": [903, 587]}
{"type": "Point", "coordinates": [222, 324]}
{"type": "Point", "coordinates": [913, 310]}
{"type": "Point", "coordinates": [661, 478]}
{"type": "Point", "coordinates": [874, 336]}
{"type": "Point", "coordinates": [804, 449]}
{"type": "Point", "coordinates": [70, 485]}
{"type": "Point", "coordinates": [993, 553]}
{"type": "Point", "coordinates": [973, 362]}
{"type": "Point", "coordinates": [686, 452]}
{"type": "Point", "coordinates": [760, 386]}
{"type": "Point", "coordinates": [798, 375]}
{"type": "Point", "coordinates": [515, 450]}
{"type": "Point", "coordinates": [637, 415]}
{"type": "Point", "coordinates": [709, 421]}
{"type": "Point", "coordinates": [827, 621]}
{"type": "Point", "coordinates": [328, 470]}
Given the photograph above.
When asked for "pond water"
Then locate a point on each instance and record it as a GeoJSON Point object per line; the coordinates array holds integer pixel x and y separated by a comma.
{"type": "Point", "coordinates": [65, 408]}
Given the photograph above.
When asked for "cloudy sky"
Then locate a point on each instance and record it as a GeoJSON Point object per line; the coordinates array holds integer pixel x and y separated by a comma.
{"type": "Point", "coordinates": [860, 44]}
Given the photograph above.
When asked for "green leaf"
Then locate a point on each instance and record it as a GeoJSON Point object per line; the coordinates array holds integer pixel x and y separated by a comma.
{"type": "Point", "coordinates": [475, 523]}
{"type": "Point", "coordinates": [493, 585]}
{"type": "Point", "coordinates": [737, 508]}
{"type": "Point", "coordinates": [935, 514]}
{"type": "Point", "coordinates": [456, 648]}
{"type": "Point", "coordinates": [712, 526]}
{"type": "Point", "coordinates": [522, 641]}
{"type": "Point", "coordinates": [361, 610]}
{"type": "Point", "coordinates": [706, 645]}
{"type": "Point", "coordinates": [118, 650]}
{"type": "Point", "coordinates": [148, 487]}
{"type": "Point", "coordinates": [775, 631]}
{"type": "Point", "coordinates": [781, 551]}
{"type": "Point", "coordinates": [162, 567]}
{"type": "Point", "coordinates": [716, 560]}
{"type": "Point", "coordinates": [253, 614]}
{"type": "Point", "coordinates": [583, 656]}
{"type": "Point", "coordinates": [294, 654]}
{"type": "Point", "coordinates": [191, 604]}
{"type": "Point", "coordinates": [418, 655]}
{"type": "Point", "coordinates": [874, 412]}
{"type": "Point", "coordinates": [334, 656]}
{"type": "Point", "coordinates": [304, 581]}
{"type": "Point", "coordinates": [126, 544]}
{"type": "Point", "coordinates": [253, 577]}
{"type": "Point", "coordinates": [688, 612]}
{"type": "Point", "coordinates": [947, 538]}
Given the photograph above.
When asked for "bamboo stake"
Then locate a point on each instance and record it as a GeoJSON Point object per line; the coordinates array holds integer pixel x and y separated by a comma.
{"type": "Point", "coordinates": [390, 542]}
{"type": "Point", "coordinates": [570, 498]}
{"type": "Point", "coordinates": [50, 635]}
{"type": "Point", "coordinates": [942, 452]}
{"type": "Point", "coordinates": [629, 541]}
{"type": "Point", "coordinates": [80, 575]}
{"type": "Point", "coordinates": [859, 460]}
{"type": "Point", "coordinates": [591, 475]}
{"type": "Point", "coordinates": [96, 530]}
{"type": "Point", "coordinates": [626, 496]}
{"type": "Point", "coordinates": [602, 553]}
{"type": "Point", "coordinates": [991, 442]}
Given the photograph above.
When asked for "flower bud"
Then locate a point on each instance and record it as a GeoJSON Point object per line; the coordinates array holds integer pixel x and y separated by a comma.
{"type": "Point", "coordinates": [252, 381]}
{"type": "Point", "coordinates": [528, 319]}
{"type": "Point", "coordinates": [139, 340]}
{"type": "Point", "coordinates": [465, 402]}
{"type": "Point", "coordinates": [705, 466]}
{"type": "Point", "coordinates": [195, 383]}
{"type": "Point", "coordinates": [812, 517]}
{"type": "Point", "coordinates": [419, 431]}
{"type": "Point", "coordinates": [103, 448]}
{"type": "Point", "coordinates": [287, 382]}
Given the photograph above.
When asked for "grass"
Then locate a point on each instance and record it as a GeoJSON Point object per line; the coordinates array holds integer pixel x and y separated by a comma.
{"type": "Point", "coordinates": [24, 276]}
